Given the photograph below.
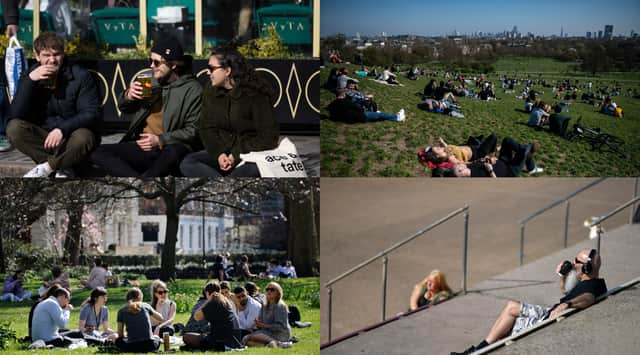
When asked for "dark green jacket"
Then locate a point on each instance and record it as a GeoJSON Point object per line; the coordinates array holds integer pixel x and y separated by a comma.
{"type": "Point", "coordinates": [237, 121]}
{"type": "Point", "coordinates": [181, 104]}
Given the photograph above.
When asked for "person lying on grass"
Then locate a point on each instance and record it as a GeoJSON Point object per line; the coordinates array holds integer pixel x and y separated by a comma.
{"type": "Point", "coordinates": [539, 116]}
{"type": "Point", "coordinates": [343, 109]}
{"type": "Point", "coordinates": [443, 106]}
{"type": "Point", "coordinates": [512, 159]}
{"type": "Point", "coordinates": [474, 149]}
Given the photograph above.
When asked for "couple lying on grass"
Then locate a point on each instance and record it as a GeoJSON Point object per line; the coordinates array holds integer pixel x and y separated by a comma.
{"type": "Point", "coordinates": [473, 159]}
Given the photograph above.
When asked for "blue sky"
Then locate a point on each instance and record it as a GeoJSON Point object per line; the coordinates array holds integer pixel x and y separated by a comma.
{"type": "Point", "coordinates": [426, 17]}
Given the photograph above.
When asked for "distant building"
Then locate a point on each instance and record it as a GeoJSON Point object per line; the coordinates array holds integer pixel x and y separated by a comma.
{"type": "Point", "coordinates": [600, 34]}
{"type": "Point", "coordinates": [608, 31]}
{"type": "Point", "coordinates": [137, 226]}
{"type": "Point", "coordinates": [588, 34]}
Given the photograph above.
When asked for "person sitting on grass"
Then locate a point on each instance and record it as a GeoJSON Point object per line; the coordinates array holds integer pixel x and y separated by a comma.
{"type": "Point", "coordinates": [431, 290]}
{"type": "Point", "coordinates": [136, 316]}
{"type": "Point", "coordinates": [162, 304]}
{"type": "Point", "coordinates": [59, 277]}
{"type": "Point", "coordinates": [388, 77]}
{"type": "Point", "coordinates": [345, 110]}
{"type": "Point", "coordinates": [97, 277]}
{"type": "Point", "coordinates": [247, 310]}
{"type": "Point", "coordinates": [343, 78]}
{"type": "Point", "coordinates": [475, 149]}
{"type": "Point", "coordinates": [47, 293]}
{"type": "Point", "coordinates": [512, 159]}
{"type": "Point", "coordinates": [49, 316]}
{"type": "Point", "coordinates": [273, 325]}
{"type": "Point", "coordinates": [528, 105]}
{"type": "Point", "coordinates": [218, 312]}
{"type": "Point", "coordinates": [93, 314]}
{"type": "Point", "coordinates": [254, 292]}
{"type": "Point", "coordinates": [197, 326]}
{"type": "Point", "coordinates": [360, 98]}
{"type": "Point", "coordinates": [12, 288]}
{"type": "Point", "coordinates": [518, 316]}
{"type": "Point", "coordinates": [539, 115]}
{"type": "Point", "coordinates": [557, 122]}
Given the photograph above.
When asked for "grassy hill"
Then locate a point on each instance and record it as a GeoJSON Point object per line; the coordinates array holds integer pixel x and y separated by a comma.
{"type": "Point", "coordinates": [389, 148]}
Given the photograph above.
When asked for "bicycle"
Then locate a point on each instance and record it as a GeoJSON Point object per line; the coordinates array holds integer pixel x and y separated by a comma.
{"type": "Point", "coordinates": [596, 138]}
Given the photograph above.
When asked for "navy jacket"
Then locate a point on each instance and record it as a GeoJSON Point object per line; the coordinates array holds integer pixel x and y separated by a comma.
{"type": "Point", "coordinates": [74, 104]}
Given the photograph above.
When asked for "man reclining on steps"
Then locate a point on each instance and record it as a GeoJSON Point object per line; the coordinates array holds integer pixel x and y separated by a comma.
{"type": "Point", "coordinates": [518, 316]}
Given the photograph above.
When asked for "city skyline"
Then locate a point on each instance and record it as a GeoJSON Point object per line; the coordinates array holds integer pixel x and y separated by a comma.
{"type": "Point", "coordinates": [546, 18]}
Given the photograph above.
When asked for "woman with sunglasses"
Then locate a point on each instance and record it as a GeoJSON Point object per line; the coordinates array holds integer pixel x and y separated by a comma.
{"type": "Point", "coordinates": [95, 313]}
{"type": "Point", "coordinates": [237, 118]}
{"type": "Point", "coordinates": [162, 304]}
{"type": "Point", "coordinates": [273, 323]}
{"type": "Point", "coordinates": [136, 316]}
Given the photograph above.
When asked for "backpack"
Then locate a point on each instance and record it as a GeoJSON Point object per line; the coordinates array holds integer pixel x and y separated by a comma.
{"type": "Point", "coordinates": [294, 315]}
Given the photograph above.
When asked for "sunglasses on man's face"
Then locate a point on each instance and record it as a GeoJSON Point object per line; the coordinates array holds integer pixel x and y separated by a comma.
{"type": "Point", "coordinates": [156, 62]}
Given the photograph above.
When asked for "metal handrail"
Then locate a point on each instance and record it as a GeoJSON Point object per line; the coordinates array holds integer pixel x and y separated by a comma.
{"type": "Point", "coordinates": [598, 220]}
{"type": "Point", "coordinates": [383, 254]}
{"type": "Point", "coordinates": [601, 219]}
{"type": "Point", "coordinates": [566, 199]}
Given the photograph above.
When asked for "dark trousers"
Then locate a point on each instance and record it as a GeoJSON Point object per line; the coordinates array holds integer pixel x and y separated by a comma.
{"type": "Point", "coordinates": [516, 156]}
{"type": "Point", "coordinates": [61, 342]}
{"type": "Point", "coordinates": [29, 139]}
{"type": "Point", "coordinates": [201, 164]}
{"type": "Point", "coordinates": [138, 346]}
{"type": "Point", "coordinates": [129, 160]}
{"type": "Point", "coordinates": [487, 146]}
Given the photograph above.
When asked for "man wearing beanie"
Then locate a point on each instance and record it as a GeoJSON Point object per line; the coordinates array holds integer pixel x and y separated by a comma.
{"type": "Point", "coordinates": [163, 127]}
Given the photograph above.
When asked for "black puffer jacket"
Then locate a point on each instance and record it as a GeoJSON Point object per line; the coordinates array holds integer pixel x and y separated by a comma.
{"type": "Point", "coordinates": [74, 104]}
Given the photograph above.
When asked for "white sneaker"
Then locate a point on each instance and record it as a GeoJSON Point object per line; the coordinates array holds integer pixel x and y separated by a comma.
{"type": "Point", "coordinates": [400, 116]}
{"type": "Point", "coordinates": [285, 344]}
{"type": "Point", "coordinates": [65, 173]}
{"type": "Point", "coordinates": [536, 171]}
{"type": "Point", "coordinates": [41, 170]}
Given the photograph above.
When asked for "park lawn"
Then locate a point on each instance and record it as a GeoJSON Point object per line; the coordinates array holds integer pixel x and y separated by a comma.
{"type": "Point", "coordinates": [297, 292]}
{"type": "Point", "coordinates": [389, 148]}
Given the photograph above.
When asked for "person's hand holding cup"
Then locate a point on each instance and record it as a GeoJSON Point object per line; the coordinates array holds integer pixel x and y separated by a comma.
{"type": "Point", "coordinates": [141, 87]}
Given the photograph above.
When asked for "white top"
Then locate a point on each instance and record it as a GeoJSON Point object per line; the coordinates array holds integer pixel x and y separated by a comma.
{"type": "Point", "coordinates": [247, 317]}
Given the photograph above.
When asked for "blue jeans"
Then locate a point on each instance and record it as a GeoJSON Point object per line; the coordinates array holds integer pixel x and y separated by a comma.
{"type": "Point", "coordinates": [380, 116]}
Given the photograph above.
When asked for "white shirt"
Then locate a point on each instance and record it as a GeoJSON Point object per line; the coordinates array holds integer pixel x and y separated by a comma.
{"type": "Point", "coordinates": [251, 311]}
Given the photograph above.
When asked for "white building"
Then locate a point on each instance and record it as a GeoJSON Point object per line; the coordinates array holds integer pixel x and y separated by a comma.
{"type": "Point", "coordinates": [138, 227]}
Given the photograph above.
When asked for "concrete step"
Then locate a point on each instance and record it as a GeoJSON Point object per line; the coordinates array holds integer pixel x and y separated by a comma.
{"type": "Point", "coordinates": [15, 164]}
{"type": "Point", "coordinates": [466, 320]}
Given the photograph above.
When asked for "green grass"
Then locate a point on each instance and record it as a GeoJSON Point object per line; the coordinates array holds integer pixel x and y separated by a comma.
{"type": "Point", "coordinates": [301, 292]}
{"type": "Point", "coordinates": [389, 148]}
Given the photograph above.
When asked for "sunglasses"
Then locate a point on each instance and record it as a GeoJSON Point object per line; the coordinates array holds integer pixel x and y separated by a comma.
{"type": "Point", "coordinates": [162, 292]}
{"type": "Point", "coordinates": [213, 68]}
{"type": "Point", "coordinates": [576, 261]}
{"type": "Point", "coordinates": [270, 289]}
{"type": "Point", "coordinates": [156, 63]}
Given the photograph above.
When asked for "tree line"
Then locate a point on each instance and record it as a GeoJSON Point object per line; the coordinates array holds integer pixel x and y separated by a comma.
{"type": "Point", "coordinates": [476, 55]}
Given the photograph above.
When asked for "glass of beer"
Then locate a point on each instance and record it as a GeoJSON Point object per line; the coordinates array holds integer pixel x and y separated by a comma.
{"type": "Point", "coordinates": [50, 82]}
{"type": "Point", "coordinates": [145, 80]}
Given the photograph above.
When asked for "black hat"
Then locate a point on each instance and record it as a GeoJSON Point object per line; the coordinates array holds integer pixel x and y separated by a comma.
{"type": "Point", "coordinates": [168, 47]}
